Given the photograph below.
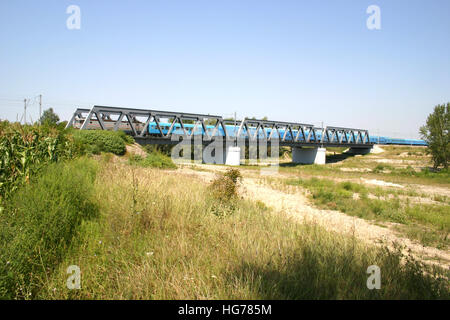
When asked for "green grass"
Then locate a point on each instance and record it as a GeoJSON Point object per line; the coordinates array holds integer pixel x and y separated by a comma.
{"type": "Point", "coordinates": [149, 244]}
{"type": "Point", "coordinates": [39, 223]}
{"type": "Point", "coordinates": [421, 217]}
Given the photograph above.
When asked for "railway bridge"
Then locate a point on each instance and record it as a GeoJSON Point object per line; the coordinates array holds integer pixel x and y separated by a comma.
{"type": "Point", "coordinates": [228, 138]}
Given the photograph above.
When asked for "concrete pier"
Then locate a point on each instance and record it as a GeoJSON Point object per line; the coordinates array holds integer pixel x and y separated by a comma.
{"type": "Point", "coordinates": [233, 156]}
{"type": "Point", "coordinates": [308, 155]}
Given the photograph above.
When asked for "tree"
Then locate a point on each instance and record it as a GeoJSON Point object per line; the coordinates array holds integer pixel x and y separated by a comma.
{"type": "Point", "coordinates": [436, 132]}
{"type": "Point", "coordinates": [49, 117]}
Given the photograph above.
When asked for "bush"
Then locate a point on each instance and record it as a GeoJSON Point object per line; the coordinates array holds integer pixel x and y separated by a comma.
{"type": "Point", "coordinates": [97, 141]}
{"type": "Point", "coordinates": [224, 188]}
{"type": "Point", "coordinates": [154, 159]}
{"type": "Point", "coordinates": [39, 222]}
{"type": "Point", "coordinates": [380, 168]}
{"type": "Point", "coordinates": [165, 149]}
{"type": "Point", "coordinates": [125, 137]}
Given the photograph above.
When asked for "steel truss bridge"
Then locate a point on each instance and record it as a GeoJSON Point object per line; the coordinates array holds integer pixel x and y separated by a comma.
{"type": "Point", "coordinates": [166, 127]}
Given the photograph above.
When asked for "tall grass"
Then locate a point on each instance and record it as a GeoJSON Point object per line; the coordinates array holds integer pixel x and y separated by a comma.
{"type": "Point", "coordinates": [158, 237]}
{"type": "Point", "coordinates": [39, 223]}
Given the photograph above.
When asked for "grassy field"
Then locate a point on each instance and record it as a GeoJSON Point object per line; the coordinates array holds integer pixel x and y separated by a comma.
{"type": "Point", "coordinates": [185, 243]}
{"type": "Point", "coordinates": [406, 165]}
{"type": "Point", "coordinates": [139, 228]}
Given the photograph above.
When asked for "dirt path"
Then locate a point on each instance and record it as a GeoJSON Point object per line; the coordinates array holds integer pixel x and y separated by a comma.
{"type": "Point", "coordinates": [297, 205]}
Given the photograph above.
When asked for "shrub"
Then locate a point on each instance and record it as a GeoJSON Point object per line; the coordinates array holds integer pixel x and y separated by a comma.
{"type": "Point", "coordinates": [154, 159]}
{"type": "Point", "coordinates": [165, 149]}
{"type": "Point", "coordinates": [233, 174]}
{"type": "Point", "coordinates": [224, 187]}
{"type": "Point", "coordinates": [380, 168]}
{"type": "Point", "coordinates": [39, 222]}
{"type": "Point", "coordinates": [97, 141]}
{"type": "Point", "coordinates": [125, 137]}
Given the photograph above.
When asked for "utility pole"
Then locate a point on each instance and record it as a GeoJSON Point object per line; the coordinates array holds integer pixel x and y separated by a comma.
{"type": "Point", "coordinates": [234, 130]}
{"type": "Point", "coordinates": [40, 108]}
{"type": "Point", "coordinates": [25, 111]}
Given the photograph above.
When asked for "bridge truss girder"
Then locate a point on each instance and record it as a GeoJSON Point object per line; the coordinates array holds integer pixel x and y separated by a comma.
{"type": "Point", "coordinates": [287, 133]}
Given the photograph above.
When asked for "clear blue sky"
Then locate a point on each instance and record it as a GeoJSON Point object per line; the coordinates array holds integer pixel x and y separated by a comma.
{"type": "Point", "coordinates": [305, 61]}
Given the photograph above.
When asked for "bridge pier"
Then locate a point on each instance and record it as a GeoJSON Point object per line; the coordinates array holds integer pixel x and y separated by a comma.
{"type": "Point", "coordinates": [233, 156]}
{"type": "Point", "coordinates": [221, 152]}
{"type": "Point", "coordinates": [308, 155]}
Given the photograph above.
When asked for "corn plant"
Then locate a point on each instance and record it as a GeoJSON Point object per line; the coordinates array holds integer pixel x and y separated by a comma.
{"type": "Point", "coordinates": [25, 149]}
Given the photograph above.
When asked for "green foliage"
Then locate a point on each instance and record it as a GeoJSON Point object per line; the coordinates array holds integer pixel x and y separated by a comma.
{"type": "Point", "coordinates": [436, 132]}
{"type": "Point", "coordinates": [97, 141]}
{"type": "Point", "coordinates": [125, 137]}
{"type": "Point", "coordinates": [154, 160]}
{"type": "Point", "coordinates": [26, 149]}
{"type": "Point", "coordinates": [38, 224]}
{"type": "Point", "coordinates": [49, 117]}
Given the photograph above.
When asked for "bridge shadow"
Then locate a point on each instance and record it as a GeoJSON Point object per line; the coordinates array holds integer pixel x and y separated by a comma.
{"type": "Point", "coordinates": [337, 157]}
{"type": "Point", "coordinates": [329, 158]}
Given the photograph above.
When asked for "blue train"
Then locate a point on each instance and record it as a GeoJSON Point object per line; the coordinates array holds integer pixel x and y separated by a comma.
{"type": "Point", "coordinates": [387, 140]}
{"type": "Point", "coordinates": [233, 130]}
